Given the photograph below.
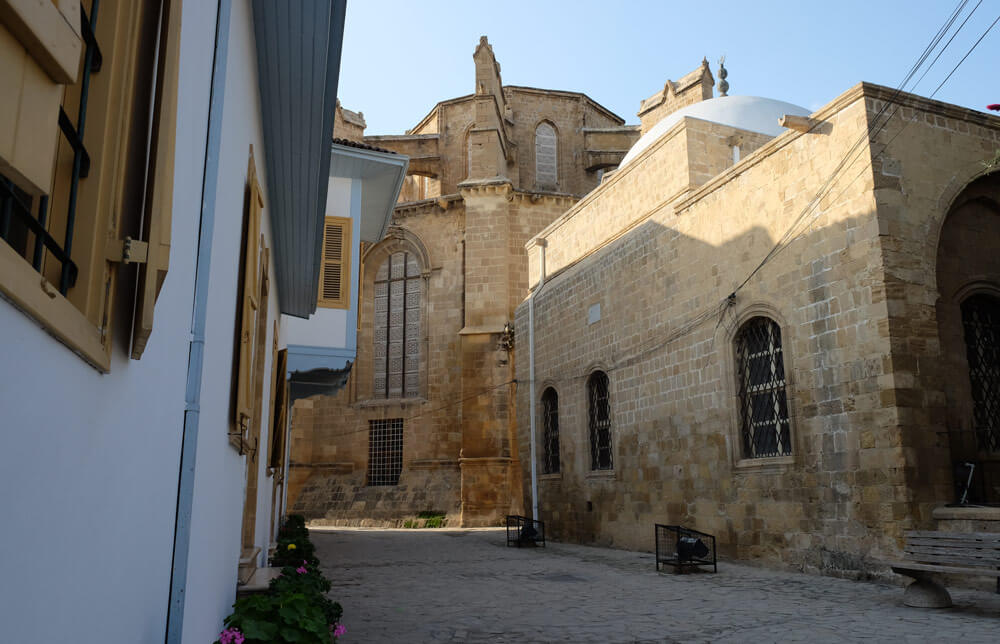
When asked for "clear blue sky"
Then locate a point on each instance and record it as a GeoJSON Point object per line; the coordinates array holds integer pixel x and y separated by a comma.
{"type": "Point", "coordinates": [402, 56]}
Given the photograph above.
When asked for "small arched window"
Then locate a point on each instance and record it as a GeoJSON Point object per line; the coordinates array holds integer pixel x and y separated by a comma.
{"type": "Point", "coordinates": [546, 175]}
{"type": "Point", "coordinates": [599, 408]}
{"type": "Point", "coordinates": [981, 321]}
{"type": "Point", "coordinates": [468, 153]}
{"type": "Point", "coordinates": [396, 341]}
{"type": "Point", "coordinates": [764, 425]}
{"type": "Point", "coordinates": [550, 432]}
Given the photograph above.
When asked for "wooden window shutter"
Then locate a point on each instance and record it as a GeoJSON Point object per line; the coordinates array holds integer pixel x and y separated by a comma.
{"type": "Point", "coordinates": [50, 32]}
{"type": "Point", "coordinates": [276, 456]}
{"type": "Point", "coordinates": [335, 267]}
{"type": "Point", "coordinates": [249, 300]}
{"type": "Point", "coordinates": [160, 186]}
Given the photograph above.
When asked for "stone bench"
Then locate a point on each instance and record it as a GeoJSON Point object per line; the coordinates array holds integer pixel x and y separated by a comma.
{"type": "Point", "coordinates": [931, 553]}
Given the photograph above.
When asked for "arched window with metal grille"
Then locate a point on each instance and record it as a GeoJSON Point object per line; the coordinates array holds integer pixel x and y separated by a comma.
{"type": "Point", "coordinates": [546, 156]}
{"type": "Point", "coordinates": [981, 322]}
{"type": "Point", "coordinates": [599, 407]}
{"type": "Point", "coordinates": [764, 426]}
{"type": "Point", "coordinates": [396, 350]}
{"type": "Point", "coordinates": [550, 432]}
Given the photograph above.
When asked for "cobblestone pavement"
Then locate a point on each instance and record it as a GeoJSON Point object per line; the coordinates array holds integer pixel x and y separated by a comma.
{"type": "Point", "coordinates": [455, 585]}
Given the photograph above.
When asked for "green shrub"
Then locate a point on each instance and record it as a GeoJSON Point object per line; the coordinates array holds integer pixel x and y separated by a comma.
{"type": "Point", "coordinates": [295, 607]}
{"type": "Point", "coordinates": [280, 618]}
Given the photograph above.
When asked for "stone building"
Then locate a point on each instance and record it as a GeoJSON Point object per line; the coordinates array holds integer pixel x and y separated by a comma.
{"type": "Point", "coordinates": [784, 335]}
{"type": "Point", "coordinates": [426, 420]}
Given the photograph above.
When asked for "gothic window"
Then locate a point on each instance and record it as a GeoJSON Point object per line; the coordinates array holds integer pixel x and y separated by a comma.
{"type": "Point", "coordinates": [550, 432]}
{"type": "Point", "coordinates": [600, 421]}
{"type": "Point", "coordinates": [385, 451]}
{"type": "Point", "coordinates": [396, 350]}
{"type": "Point", "coordinates": [981, 319]}
{"type": "Point", "coordinates": [764, 425]}
{"type": "Point", "coordinates": [546, 175]}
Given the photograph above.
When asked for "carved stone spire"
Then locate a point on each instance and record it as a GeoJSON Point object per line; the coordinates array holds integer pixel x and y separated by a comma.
{"type": "Point", "coordinates": [723, 83]}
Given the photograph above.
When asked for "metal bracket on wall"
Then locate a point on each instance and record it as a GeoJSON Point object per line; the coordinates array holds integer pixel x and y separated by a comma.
{"type": "Point", "coordinates": [127, 251]}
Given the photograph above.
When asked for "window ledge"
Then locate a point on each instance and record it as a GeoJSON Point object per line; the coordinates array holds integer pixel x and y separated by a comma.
{"type": "Point", "coordinates": [28, 291]}
{"type": "Point", "coordinates": [600, 474]}
{"type": "Point", "coordinates": [774, 464]}
{"type": "Point", "coordinates": [557, 476]}
{"type": "Point", "coordinates": [389, 402]}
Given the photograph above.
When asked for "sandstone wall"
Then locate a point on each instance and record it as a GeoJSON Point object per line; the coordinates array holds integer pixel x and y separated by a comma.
{"type": "Point", "coordinates": [858, 335]}
{"type": "Point", "coordinates": [675, 432]}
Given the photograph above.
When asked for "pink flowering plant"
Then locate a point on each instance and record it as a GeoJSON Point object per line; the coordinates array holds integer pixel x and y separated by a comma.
{"type": "Point", "coordinates": [295, 607]}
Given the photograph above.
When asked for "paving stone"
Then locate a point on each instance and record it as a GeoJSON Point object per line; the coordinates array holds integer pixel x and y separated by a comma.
{"type": "Point", "coordinates": [466, 585]}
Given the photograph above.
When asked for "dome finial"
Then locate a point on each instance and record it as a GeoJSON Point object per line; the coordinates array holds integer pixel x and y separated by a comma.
{"type": "Point", "coordinates": [723, 84]}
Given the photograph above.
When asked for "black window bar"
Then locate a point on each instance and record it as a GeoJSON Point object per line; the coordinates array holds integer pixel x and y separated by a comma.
{"type": "Point", "coordinates": [763, 401]}
{"type": "Point", "coordinates": [550, 433]}
{"type": "Point", "coordinates": [600, 421]}
{"type": "Point", "coordinates": [981, 319]}
{"type": "Point", "coordinates": [385, 451]}
{"type": "Point", "coordinates": [15, 203]}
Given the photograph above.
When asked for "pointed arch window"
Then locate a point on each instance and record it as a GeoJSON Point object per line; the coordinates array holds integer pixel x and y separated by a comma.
{"type": "Point", "coordinates": [981, 322]}
{"type": "Point", "coordinates": [546, 174]}
{"type": "Point", "coordinates": [764, 426]}
{"type": "Point", "coordinates": [550, 432]}
{"type": "Point", "coordinates": [396, 350]}
{"type": "Point", "coordinates": [599, 408]}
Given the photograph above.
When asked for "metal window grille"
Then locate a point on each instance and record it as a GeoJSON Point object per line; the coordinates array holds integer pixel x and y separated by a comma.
{"type": "Point", "coordinates": [600, 421]}
{"type": "Point", "coordinates": [764, 422]}
{"type": "Point", "coordinates": [18, 214]}
{"type": "Point", "coordinates": [396, 347]}
{"type": "Point", "coordinates": [385, 451]}
{"type": "Point", "coordinates": [981, 319]}
{"type": "Point", "coordinates": [550, 431]}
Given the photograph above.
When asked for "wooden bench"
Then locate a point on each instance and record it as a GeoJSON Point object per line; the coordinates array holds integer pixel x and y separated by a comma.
{"type": "Point", "coordinates": [955, 553]}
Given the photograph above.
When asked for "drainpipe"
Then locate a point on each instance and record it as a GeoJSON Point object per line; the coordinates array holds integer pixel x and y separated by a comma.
{"type": "Point", "coordinates": [196, 353]}
{"type": "Point", "coordinates": [541, 243]}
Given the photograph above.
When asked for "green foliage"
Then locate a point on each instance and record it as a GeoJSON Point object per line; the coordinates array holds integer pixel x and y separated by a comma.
{"type": "Point", "coordinates": [302, 550]}
{"type": "Point", "coordinates": [989, 164]}
{"type": "Point", "coordinates": [295, 607]}
{"type": "Point", "coordinates": [280, 618]}
{"type": "Point", "coordinates": [426, 519]}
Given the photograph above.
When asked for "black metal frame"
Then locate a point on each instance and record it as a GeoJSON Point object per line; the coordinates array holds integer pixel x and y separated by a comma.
{"type": "Point", "coordinates": [668, 541]}
{"type": "Point", "coordinates": [550, 431]}
{"type": "Point", "coordinates": [599, 419]}
{"type": "Point", "coordinates": [525, 531]}
{"type": "Point", "coordinates": [12, 205]}
{"type": "Point", "coordinates": [385, 452]}
{"type": "Point", "coordinates": [981, 324]}
{"type": "Point", "coordinates": [765, 429]}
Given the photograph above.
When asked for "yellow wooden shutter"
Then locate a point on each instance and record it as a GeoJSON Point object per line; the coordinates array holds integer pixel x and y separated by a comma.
{"type": "Point", "coordinates": [160, 187]}
{"type": "Point", "coordinates": [335, 268]}
{"type": "Point", "coordinates": [250, 301]}
{"type": "Point", "coordinates": [276, 455]}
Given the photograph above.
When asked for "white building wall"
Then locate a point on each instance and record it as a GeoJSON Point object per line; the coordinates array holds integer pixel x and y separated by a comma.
{"type": "Point", "coordinates": [220, 475]}
{"type": "Point", "coordinates": [328, 327]}
{"type": "Point", "coordinates": [91, 461]}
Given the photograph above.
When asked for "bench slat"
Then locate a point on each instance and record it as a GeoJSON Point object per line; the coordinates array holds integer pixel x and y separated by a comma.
{"type": "Point", "coordinates": [900, 566]}
{"type": "Point", "coordinates": [962, 561]}
{"type": "Point", "coordinates": [958, 536]}
{"type": "Point", "coordinates": [952, 543]}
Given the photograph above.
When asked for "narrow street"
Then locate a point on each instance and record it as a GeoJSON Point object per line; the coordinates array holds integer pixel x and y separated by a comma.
{"type": "Point", "coordinates": [456, 585]}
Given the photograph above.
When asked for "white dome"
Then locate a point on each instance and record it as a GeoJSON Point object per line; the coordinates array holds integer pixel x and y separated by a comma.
{"type": "Point", "coordinates": [744, 112]}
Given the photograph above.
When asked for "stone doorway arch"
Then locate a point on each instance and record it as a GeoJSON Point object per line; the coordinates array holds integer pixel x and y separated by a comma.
{"type": "Point", "coordinates": [968, 316]}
